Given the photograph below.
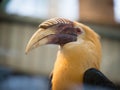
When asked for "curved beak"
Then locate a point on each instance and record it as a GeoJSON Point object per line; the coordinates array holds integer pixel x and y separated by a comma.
{"type": "Point", "coordinates": [39, 38]}
{"type": "Point", "coordinates": [57, 34]}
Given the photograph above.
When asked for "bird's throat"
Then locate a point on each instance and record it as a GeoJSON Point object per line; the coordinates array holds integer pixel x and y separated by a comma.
{"type": "Point", "coordinates": [70, 66]}
{"type": "Point", "coordinates": [66, 75]}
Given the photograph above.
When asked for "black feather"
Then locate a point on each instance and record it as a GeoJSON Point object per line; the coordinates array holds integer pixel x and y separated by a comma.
{"type": "Point", "coordinates": [94, 77]}
{"type": "Point", "coordinates": [50, 81]}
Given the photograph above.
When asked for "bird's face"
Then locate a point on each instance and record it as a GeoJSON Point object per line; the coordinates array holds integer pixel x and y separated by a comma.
{"type": "Point", "coordinates": [54, 31]}
{"type": "Point", "coordinates": [62, 32]}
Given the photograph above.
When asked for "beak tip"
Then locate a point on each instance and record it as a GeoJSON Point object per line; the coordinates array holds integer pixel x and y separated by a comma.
{"type": "Point", "coordinates": [27, 50]}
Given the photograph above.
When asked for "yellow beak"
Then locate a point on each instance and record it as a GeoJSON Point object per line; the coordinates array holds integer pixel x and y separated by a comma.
{"type": "Point", "coordinates": [39, 38]}
{"type": "Point", "coordinates": [60, 34]}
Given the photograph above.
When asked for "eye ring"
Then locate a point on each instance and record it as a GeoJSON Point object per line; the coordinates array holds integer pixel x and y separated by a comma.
{"type": "Point", "coordinates": [78, 31]}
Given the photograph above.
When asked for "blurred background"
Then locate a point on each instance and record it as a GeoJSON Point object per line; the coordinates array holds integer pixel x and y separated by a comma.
{"type": "Point", "coordinates": [19, 19]}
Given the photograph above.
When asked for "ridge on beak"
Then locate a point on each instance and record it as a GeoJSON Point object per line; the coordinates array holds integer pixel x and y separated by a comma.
{"type": "Point", "coordinates": [54, 31]}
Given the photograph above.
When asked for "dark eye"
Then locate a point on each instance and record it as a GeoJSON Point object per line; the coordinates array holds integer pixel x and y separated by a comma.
{"type": "Point", "coordinates": [78, 30]}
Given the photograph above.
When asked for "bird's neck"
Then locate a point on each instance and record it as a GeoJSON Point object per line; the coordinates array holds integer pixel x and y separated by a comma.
{"type": "Point", "coordinates": [66, 74]}
{"type": "Point", "coordinates": [70, 66]}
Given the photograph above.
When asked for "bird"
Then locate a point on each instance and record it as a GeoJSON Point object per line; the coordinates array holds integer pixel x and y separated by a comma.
{"type": "Point", "coordinates": [78, 58]}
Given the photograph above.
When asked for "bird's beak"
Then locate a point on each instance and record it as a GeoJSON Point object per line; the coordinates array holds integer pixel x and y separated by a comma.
{"type": "Point", "coordinates": [57, 34]}
{"type": "Point", "coordinates": [40, 37]}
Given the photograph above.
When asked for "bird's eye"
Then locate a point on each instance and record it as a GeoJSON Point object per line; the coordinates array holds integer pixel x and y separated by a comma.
{"type": "Point", "coordinates": [78, 31]}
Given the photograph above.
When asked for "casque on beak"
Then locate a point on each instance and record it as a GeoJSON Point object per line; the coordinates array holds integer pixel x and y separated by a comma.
{"type": "Point", "coordinates": [58, 33]}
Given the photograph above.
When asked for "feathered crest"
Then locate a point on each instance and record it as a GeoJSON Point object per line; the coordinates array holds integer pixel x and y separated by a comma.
{"type": "Point", "coordinates": [54, 21]}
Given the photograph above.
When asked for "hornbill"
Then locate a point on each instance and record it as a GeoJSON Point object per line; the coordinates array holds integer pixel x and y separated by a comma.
{"type": "Point", "coordinates": [79, 56]}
